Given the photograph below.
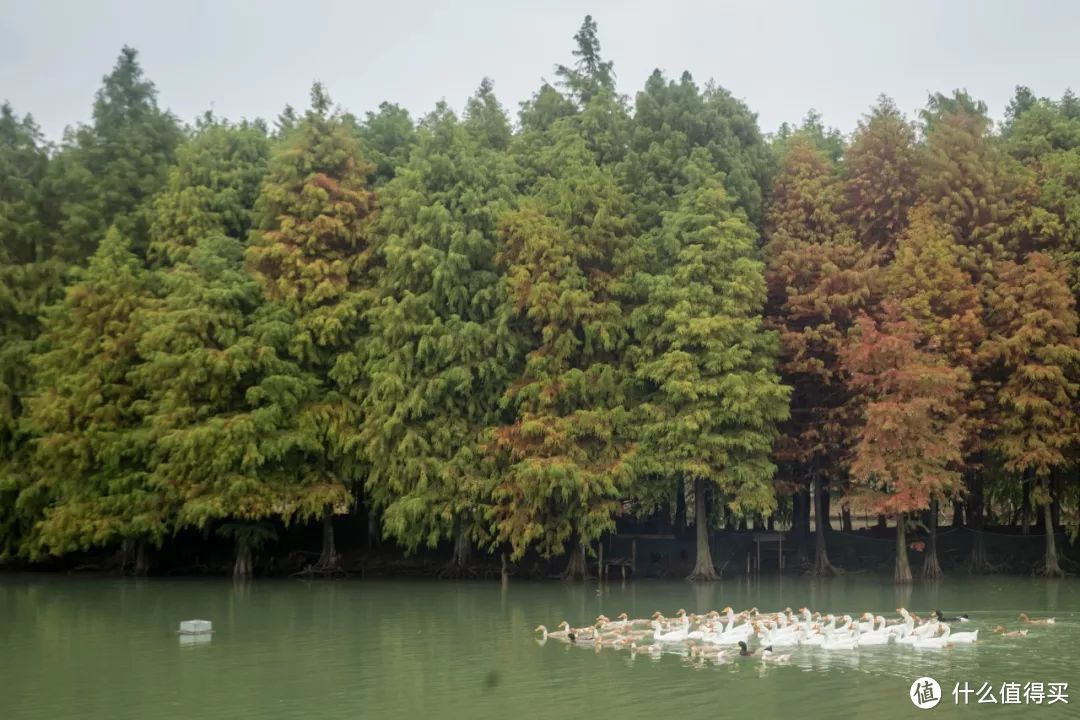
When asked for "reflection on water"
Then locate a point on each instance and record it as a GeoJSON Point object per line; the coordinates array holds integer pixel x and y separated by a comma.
{"type": "Point", "coordinates": [107, 648]}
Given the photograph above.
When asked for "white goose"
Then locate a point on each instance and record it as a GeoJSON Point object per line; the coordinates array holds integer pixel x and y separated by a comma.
{"type": "Point", "coordinates": [934, 642]}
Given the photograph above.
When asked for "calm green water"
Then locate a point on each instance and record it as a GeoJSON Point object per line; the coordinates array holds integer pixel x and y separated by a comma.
{"type": "Point", "coordinates": [107, 648]}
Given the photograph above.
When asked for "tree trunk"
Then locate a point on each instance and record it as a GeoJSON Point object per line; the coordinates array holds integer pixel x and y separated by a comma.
{"type": "Point", "coordinates": [845, 518]}
{"type": "Point", "coordinates": [980, 563]}
{"type": "Point", "coordinates": [800, 523]}
{"type": "Point", "coordinates": [882, 524]}
{"type": "Point", "coordinates": [461, 555]}
{"type": "Point", "coordinates": [1055, 509]}
{"type": "Point", "coordinates": [142, 559]}
{"type": "Point", "coordinates": [1052, 568]}
{"type": "Point", "coordinates": [931, 569]}
{"type": "Point", "coordinates": [822, 566]}
{"type": "Point", "coordinates": [242, 568]}
{"type": "Point", "coordinates": [826, 509]}
{"type": "Point", "coordinates": [1025, 508]}
{"type": "Point", "coordinates": [329, 558]}
{"type": "Point", "coordinates": [703, 564]}
{"type": "Point", "coordinates": [372, 528]}
{"type": "Point", "coordinates": [680, 510]}
{"type": "Point", "coordinates": [902, 575]}
{"type": "Point", "coordinates": [958, 514]}
{"type": "Point", "coordinates": [576, 567]}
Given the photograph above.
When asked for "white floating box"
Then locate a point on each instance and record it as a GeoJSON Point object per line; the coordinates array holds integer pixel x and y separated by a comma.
{"type": "Point", "coordinates": [195, 627]}
{"type": "Point", "coordinates": [201, 639]}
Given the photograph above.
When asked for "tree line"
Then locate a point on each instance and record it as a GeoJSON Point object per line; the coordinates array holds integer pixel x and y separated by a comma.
{"type": "Point", "coordinates": [511, 334]}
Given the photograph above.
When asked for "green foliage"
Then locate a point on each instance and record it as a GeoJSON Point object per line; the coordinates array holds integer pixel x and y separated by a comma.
{"type": "Point", "coordinates": [312, 254]}
{"type": "Point", "coordinates": [565, 457]}
{"type": "Point", "coordinates": [442, 348]}
{"type": "Point", "coordinates": [105, 171]}
{"type": "Point", "coordinates": [92, 448]}
{"type": "Point", "coordinates": [711, 396]}
{"type": "Point", "coordinates": [590, 75]}
{"type": "Point", "coordinates": [678, 131]}
{"type": "Point", "coordinates": [386, 138]}
{"type": "Point", "coordinates": [1036, 352]}
{"type": "Point", "coordinates": [211, 188]}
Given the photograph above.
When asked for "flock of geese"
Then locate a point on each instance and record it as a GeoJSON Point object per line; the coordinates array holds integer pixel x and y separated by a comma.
{"type": "Point", "coordinates": [714, 635]}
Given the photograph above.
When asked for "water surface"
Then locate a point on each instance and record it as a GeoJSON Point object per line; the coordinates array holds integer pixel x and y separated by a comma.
{"type": "Point", "coordinates": [107, 648]}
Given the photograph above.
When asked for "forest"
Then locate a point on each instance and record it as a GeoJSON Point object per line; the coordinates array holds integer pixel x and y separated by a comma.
{"type": "Point", "coordinates": [507, 336]}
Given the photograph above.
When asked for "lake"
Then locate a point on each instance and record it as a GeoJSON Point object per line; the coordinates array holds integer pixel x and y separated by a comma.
{"type": "Point", "coordinates": [108, 648]}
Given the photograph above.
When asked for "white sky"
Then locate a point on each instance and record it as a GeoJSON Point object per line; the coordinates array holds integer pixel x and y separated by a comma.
{"type": "Point", "coordinates": [248, 59]}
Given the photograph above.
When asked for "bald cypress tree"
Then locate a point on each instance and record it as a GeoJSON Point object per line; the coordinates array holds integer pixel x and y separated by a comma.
{"type": "Point", "coordinates": [1035, 352]}
{"type": "Point", "coordinates": [211, 189]}
{"type": "Point", "coordinates": [880, 177]}
{"type": "Point", "coordinates": [106, 170]}
{"type": "Point", "coordinates": [819, 278]}
{"type": "Point", "coordinates": [222, 394]}
{"type": "Point", "coordinates": [311, 251]}
{"type": "Point", "coordinates": [712, 397]}
{"type": "Point", "coordinates": [565, 456]}
{"type": "Point", "coordinates": [32, 277]}
{"type": "Point", "coordinates": [443, 348]}
{"type": "Point", "coordinates": [92, 448]}
{"type": "Point", "coordinates": [676, 125]}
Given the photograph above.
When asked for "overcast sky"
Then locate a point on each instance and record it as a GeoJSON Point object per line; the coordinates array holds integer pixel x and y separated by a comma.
{"type": "Point", "coordinates": [247, 59]}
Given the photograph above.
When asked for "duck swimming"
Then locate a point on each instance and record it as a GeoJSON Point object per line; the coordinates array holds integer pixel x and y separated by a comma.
{"type": "Point", "coordinates": [768, 656]}
{"type": "Point", "coordinates": [744, 651]}
{"type": "Point", "coordinates": [963, 618]}
{"type": "Point", "coordinates": [1045, 621]}
{"type": "Point", "coordinates": [999, 630]}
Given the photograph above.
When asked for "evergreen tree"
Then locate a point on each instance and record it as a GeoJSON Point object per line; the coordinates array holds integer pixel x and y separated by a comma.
{"type": "Point", "coordinates": [565, 458]}
{"type": "Point", "coordinates": [211, 189]}
{"type": "Point", "coordinates": [92, 448]}
{"type": "Point", "coordinates": [712, 398]}
{"type": "Point", "coordinates": [485, 118]}
{"type": "Point", "coordinates": [312, 253]}
{"type": "Point", "coordinates": [590, 75]}
{"type": "Point", "coordinates": [220, 396]}
{"type": "Point", "coordinates": [544, 108]}
{"type": "Point", "coordinates": [31, 278]}
{"type": "Point", "coordinates": [442, 348]}
{"type": "Point", "coordinates": [107, 169]}
{"type": "Point", "coordinates": [675, 126]}
{"type": "Point", "coordinates": [223, 397]}
{"type": "Point", "coordinates": [386, 138]}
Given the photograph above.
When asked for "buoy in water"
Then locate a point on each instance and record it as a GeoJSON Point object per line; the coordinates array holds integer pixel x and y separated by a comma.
{"type": "Point", "coordinates": [195, 627]}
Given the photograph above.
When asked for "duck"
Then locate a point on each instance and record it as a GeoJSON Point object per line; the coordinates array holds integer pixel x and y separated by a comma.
{"type": "Point", "coordinates": [1044, 621]}
{"type": "Point", "coordinates": [842, 639]}
{"type": "Point", "coordinates": [812, 636]}
{"type": "Point", "coordinates": [866, 623]}
{"type": "Point", "coordinates": [651, 650]}
{"type": "Point", "coordinates": [963, 638]}
{"type": "Point", "coordinates": [672, 636]}
{"type": "Point", "coordinates": [936, 641]}
{"type": "Point", "coordinates": [999, 630]}
{"type": "Point", "coordinates": [768, 656]}
{"type": "Point", "coordinates": [582, 636]}
{"type": "Point", "coordinates": [563, 632]}
{"type": "Point", "coordinates": [708, 653]}
{"type": "Point", "coordinates": [744, 650]}
{"type": "Point", "coordinates": [880, 636]}
{"type": "Point", "coordinates": [962, 618]}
